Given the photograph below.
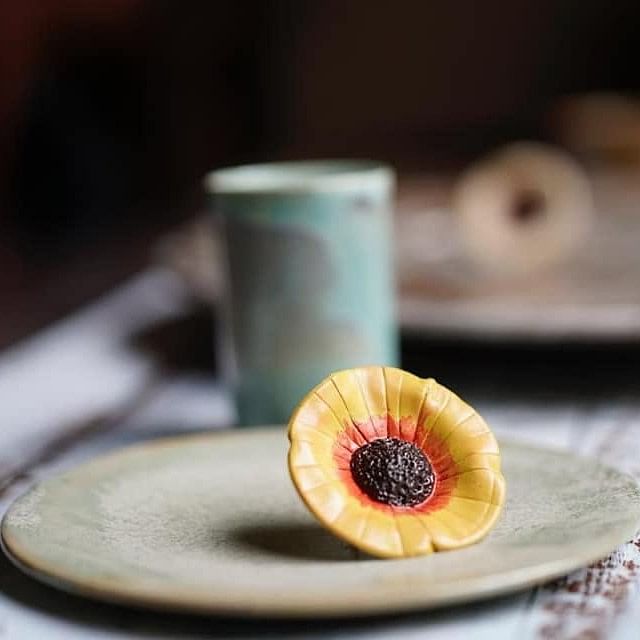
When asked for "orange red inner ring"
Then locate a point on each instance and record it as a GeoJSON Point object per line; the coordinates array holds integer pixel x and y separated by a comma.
{"type": "Point", "coordinates": [356, 434]}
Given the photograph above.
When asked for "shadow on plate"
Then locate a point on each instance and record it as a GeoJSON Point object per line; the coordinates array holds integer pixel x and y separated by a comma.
{"type": "Point", "coordinates": [297, 541]}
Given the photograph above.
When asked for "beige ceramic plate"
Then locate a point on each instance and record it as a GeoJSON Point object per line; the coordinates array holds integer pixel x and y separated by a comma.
{"type": "Point", "coordinates": [213, 524]}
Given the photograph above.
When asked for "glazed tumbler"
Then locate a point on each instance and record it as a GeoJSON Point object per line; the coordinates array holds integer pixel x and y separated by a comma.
{"type": "Point", "coordinates": [310, 286]}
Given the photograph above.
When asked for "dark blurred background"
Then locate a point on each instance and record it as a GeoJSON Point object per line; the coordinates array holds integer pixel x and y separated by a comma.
{"type": "Point", "coordinates": [111, 111]}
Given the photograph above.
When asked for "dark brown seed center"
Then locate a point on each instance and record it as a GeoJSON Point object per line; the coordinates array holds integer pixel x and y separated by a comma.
{"type": "Point", "coordinates": [393, 471]}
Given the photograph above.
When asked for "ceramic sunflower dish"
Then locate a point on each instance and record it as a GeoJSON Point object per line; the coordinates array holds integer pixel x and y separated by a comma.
{"type": "Point", "coordinates": [394, 464]}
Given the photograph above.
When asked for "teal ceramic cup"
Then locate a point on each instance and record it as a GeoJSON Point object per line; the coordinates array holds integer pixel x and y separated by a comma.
{"type": "Point", "coordinates": [310, 277]}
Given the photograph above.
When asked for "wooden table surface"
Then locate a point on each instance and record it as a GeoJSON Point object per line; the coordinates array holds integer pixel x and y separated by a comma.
{"type": "Point", "coordinates": [97, 381]}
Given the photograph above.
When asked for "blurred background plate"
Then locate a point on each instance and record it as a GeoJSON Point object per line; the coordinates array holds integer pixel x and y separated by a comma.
{"type": "Point", "coordinates": [594, 296]}
{"type": "Point", "coordinates": [213, 524]}
{"type": "Point", "coordinates": [591, 296]}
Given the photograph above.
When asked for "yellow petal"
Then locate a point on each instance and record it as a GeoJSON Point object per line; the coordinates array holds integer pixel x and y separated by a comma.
{"type": "Point", "coordinates": [351, 523]}
{"type": "Point", "coordinates": [451, 531]}
{"type": "Point", "coordinates": [315, 436]}
{"type": "Point", "coordinates": [372, 385]}
{"type": "Point", "coordinates": [446, 531]}
{"type": "Point", "coordinates": [412, 401]}
{"type": "Point", "coordinates": [461, 444]}
{"type": "Point", "coordinates": [327, 501]}
{"type": "Point", "coordinates": [393, 379]}
{"type": "Point", "coordinates": [309, 477]}
{"type": "Point", "coordinates": [349, 390]}
{"type": "Point", "coordinates": [435, 405]}
{"type": "Point", "coordinates": [484, 485]}
{"type": "Point", "coordinates": [381, 537]}
{"type": "Point", "coordinates": [478, 461]}
{"type": "Point", "coordinates": [453, 415]}
{"type": "Point", "coordinates": [380, 533]}
{"type": "Point", "coordinates": [306, 454]}
{"type": "Point", "coordinates": [327, 391]}
{"type": "Point", "coordinates": [457, 427]}
{"type": "Point", "coordinates": [414, 536]}
{"type": "Point", "coordinates": [315, 414]}
{"type": "Point", "coordinates": [473, 512]}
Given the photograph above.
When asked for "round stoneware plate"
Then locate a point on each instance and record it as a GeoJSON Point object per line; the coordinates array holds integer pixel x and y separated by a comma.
{"type": "Point", "coordinates": [213, 524]}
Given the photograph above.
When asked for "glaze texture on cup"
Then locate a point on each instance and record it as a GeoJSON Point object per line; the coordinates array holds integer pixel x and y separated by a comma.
{"type": "Point", "coordinates": [308, 249]}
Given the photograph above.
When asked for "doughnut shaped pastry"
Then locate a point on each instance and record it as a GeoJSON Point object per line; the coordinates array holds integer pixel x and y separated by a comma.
{"type": "Point", "coordinates": [523, 208]}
